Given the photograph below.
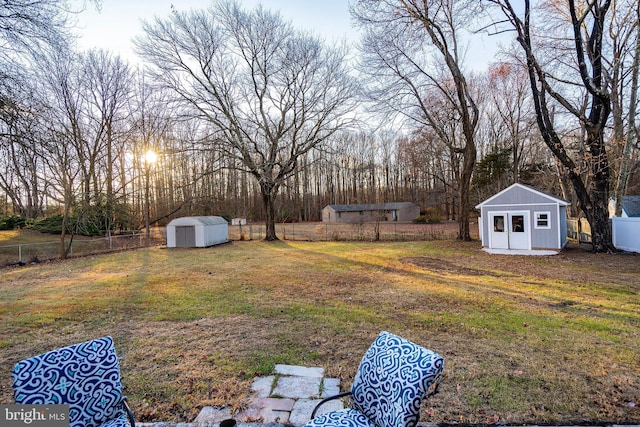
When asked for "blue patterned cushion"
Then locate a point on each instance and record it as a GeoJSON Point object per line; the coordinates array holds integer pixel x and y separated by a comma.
{"type": "Point", "coordinates": [121, 421]}
{"type": "Point", "coordinates": [85, 376]}
{"type": "Point", "coordinates": [345, 418]}
{"type": "Point", "coordinates": [393, 378]}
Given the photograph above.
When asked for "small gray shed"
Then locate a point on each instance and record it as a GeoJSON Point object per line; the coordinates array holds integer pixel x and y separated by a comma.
{"type": "Point", "coordinates": [522, 217]}
{"type": "Point", "coordinates": [197, 232]}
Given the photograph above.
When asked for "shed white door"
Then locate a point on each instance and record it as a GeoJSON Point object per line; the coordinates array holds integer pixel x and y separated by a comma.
{"type": "Point", "coordinates": [509, 230]}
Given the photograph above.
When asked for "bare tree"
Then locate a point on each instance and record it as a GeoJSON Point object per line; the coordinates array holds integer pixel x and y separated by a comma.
{"type": "Point", "coordinates": [510, 115]}
{"type": "Point", "coordinates": [20, 126]}
{"type": "Point", "coordinates": [62, 145]}
{"type": "Point", "coordinates": [413, 57]}
{"type": "Point", "coordinates": [587, 23]}
{"type": "Point", "coordinates": [269, 94]}
{"type": "Point", "coordinates": [25, 28]}
{"type": "Point", "coordinates": [624, 26]}
{"type": "Point", "coordinates": [24, 25]}
{"type": "Point", "coordinates": [107, 86]}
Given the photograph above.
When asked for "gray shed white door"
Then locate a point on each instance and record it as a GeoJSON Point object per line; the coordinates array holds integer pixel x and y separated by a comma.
{"type": "Point", "coordinates": [509, 230]}
{"type": "Point", "coordinates": [185, 236]}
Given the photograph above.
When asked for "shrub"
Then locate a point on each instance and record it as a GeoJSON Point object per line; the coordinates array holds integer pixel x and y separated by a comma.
{"type": "Point", "coordinates": [53, 225]}
{"type": "Point", "coordinates": [11, 222]}
{"type": "Point", "coordinates": [430, 216]}
{"type": "Point", "coordinates": [49, 225]}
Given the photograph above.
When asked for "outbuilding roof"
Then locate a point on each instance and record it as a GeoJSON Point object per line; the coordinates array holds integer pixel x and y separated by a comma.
{"type": "Point", "coordinates": [631, 205]}
{"type": "Point", "coordinates": [527, 188]}
{"type": "Point", "coordinates": [371, 207]}
{"type": "Point", "coordinates": [198, 220]}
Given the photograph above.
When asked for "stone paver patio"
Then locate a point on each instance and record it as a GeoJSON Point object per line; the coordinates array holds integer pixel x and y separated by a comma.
{"type": "Point", "coordinates": [285, 398]}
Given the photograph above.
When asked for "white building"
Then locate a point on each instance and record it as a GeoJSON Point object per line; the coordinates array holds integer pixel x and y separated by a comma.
{"type": "Point", "coordinates": [197, 232]}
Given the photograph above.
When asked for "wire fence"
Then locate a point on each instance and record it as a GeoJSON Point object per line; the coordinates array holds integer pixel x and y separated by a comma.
{"type": "Point", "coordinates": [383, 231]}
{"type": "Point", "coordinates": [36, 252]}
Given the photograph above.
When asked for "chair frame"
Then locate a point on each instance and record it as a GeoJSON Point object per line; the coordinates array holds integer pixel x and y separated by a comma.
{"type": "Point", "coordinates": [348, 393]}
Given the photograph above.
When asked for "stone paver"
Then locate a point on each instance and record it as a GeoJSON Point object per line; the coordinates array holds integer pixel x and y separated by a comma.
{"type": "Point", "coordinates": [303, 408]}
{"type": "Point", "coordinates": [299, 371]}
{"type": "Point", "coordinates": [267, 410]}
{"type": "Point", "coordinates": [213, 415]}
{"type": "Point", "coordinates": [297, 387]}
{"type": "Point", "coordinates": [262, 386]}
{"type": "Point", "coordinates": [285, 398]}
{"type": "Point", "coordinates": [330, 387]}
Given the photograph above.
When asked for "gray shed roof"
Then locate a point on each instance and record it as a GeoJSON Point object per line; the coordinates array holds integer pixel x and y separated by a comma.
{"type": "Point", "coordinates": [371, 207]}
{"type": "Point", "coordinates": [631, 205]}
{"type": "Point", "coordinates": [523, 188]}
{"type": "Point", "coordinates": [198, 220]}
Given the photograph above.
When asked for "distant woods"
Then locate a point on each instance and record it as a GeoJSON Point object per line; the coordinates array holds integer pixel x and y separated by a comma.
{"type": "Point", "coordinates": [249, 116]}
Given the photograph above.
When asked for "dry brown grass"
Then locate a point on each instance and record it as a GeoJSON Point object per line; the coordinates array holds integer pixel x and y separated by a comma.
{"type": "Point", "coordinates": [526, 339]}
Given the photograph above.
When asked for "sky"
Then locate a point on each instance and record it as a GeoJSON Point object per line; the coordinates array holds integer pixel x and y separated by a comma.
{"type": "Point", "coordinates": [118, 21]}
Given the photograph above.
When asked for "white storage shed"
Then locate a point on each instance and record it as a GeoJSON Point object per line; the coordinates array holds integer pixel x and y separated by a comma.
{"type": "Point", "coordinates": [523, 218]}
{"type": "Point", "coordinates": [197, 232]}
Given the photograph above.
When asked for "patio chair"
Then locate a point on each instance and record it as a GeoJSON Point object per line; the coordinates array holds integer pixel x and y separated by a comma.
{"type": "Point", "coordinates": [85, 376]}
{"type": "Point", "coordinates": [393, 378]}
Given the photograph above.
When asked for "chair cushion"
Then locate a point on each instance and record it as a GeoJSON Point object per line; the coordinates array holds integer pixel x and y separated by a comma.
{"type": "Point", "coordinates": [345, 418]}
{"type": "Point", "coordinates": [85, 376]}
{"type": "Point", "coordinates": [121, 421]}
{"type": "Point", "coordinates": [393, 378]}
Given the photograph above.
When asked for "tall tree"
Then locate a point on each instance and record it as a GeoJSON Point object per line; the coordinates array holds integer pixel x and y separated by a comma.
{"type": "Point", "coordinates": [24, 25]}
{"type": "Point", "coordinates": [107, 83]}
{"type": "Point", "coordinates": [21, 177]}
{"type": "Point", "coordinates": [587, 33]}
{"type": "Point", "coordinates": [268, 93]}
{"type": "Point", "coordinates": [413, 57]}
{"type": "Point", "coordinates": [63, 148]}
{"type": "Point", "coordinates": [624, 26]}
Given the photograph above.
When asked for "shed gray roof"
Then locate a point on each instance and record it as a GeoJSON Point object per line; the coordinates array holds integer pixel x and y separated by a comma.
{"type": "Point", "coordinates": [198, 220]}
{"type": "Point", "coordinates": [371, 207]}
{"type": "Point", "coordinates": [631, 205]}
{"type": "Point", "coordinates": [528, 188]}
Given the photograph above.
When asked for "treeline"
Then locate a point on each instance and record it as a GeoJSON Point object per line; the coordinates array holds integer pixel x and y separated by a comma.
{"type": "Point", "coordinates": [108, 146]}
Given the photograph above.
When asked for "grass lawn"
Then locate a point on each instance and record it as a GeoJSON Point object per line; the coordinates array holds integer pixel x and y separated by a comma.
{"type": "Point", "coordinates": [526, 339]}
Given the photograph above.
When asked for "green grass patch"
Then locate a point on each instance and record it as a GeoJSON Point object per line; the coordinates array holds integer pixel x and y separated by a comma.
{"type": "Point", "coordinates": [527, 340]}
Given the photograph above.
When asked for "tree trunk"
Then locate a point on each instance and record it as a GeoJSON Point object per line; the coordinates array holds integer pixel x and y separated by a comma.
{"type": "Point", "coordinates": [598, 217]}
{"type": "Point", "coordinates": [596, 207]}
{"type": "Point", "coordinates": [63, 249]}
{"type": "Point", "coordinates": [463, 216]}
{"type": "Point", "coordinates": [268, 198]}
{"type": "Point", "coordinates": [465, 185]}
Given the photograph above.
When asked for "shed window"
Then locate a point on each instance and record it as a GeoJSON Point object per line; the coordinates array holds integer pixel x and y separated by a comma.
{"type": "Point", "coordinates": [543, 220]}
{"type": "Point", "coordinates": [517, 223]}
